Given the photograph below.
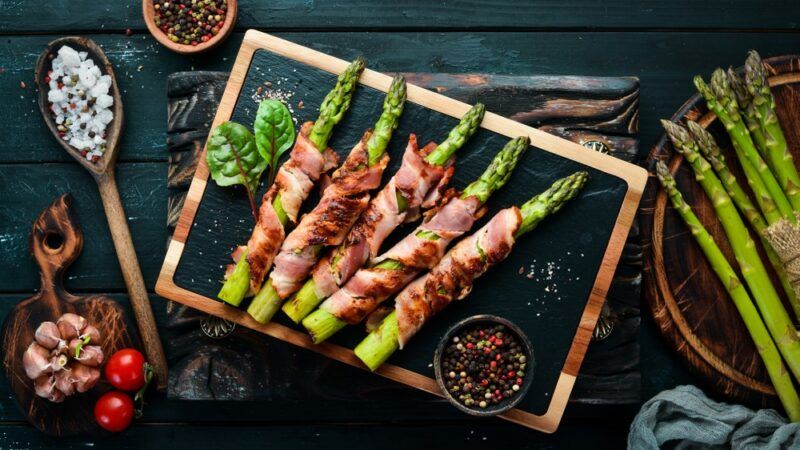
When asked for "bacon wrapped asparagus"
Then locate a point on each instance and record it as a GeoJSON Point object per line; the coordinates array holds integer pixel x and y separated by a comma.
{"type": "Point", "coordinates": [418, 182]}
{"type": "Point", "coordinates": [342, 203]}
{"type": "Point", "coordinates": [309, 159]}
{"type": "Point", "coordinates": [453, 278]}
{"type": "Point", "coordinates": [418, 251]}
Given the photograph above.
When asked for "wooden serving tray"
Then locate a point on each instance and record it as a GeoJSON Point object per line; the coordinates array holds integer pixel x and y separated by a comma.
{"type": "Point", "coordinates": [687, 300]}
{"type": "Point", "coordinates": [558, 311]}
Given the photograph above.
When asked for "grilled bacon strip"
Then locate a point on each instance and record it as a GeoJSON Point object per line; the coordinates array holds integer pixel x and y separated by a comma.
{"type": "Point", "coordinates": [293, 182]}
{"type": "Point", "coordinates": [327, 225]}
{"type": "Point", "coordinates": [453, 277]}
{"type": "Point", "coordinates": [416, 252]}
{"type": "Point", "coordinates": [415, 181]}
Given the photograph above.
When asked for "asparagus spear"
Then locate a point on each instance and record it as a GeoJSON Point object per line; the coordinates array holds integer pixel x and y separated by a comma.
{"type": "Point", "coordinates": [383, 341]}
{"type": "Point", "coordinates": [748, 112]}
{"type": "Point", "coordinates": [331, 112]}
{"type": "Point", "coordinates": [766, 347]}
{"type": "Point", "coordinates": [267, 301]}
{"type": "Point", "coordinates": [720, 100]}
{"type": "Point", "coordinates": [335, 104]}
{"type": "Point", "coordinates": [709, 149]}
{"type": "Point", "coordinates": [778, 156]}
{"type": "Point", "coordinates": [306, 299]}
{"type": "Point", "coordinates": [322, 324]}
{"type": "Point", "coordinates": [755, 274]}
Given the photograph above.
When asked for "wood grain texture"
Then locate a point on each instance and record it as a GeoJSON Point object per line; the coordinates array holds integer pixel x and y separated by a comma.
{"type": "Point", "coordinates": [56, 241]}
{"type": "Point", "coordinates": [142, 65]}
{"type": "Point", "coordinates": [688, 302]}
{"type": "Point", "coordinates": [610, 375]}
{"type": "Point", "coordinates": [143, 194]}
{"type": "Point", "coordinates": [438, 15]}
{"type": "Point", "coordinates": [633, 176]}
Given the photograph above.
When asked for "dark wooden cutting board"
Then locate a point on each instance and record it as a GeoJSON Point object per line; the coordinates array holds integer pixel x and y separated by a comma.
{"type": "Point", "coordinates": [598, 112]}
{"type": "Point", "coordinates": [56, 241]}
{"type": "Point", "coordinates": [687, 301]}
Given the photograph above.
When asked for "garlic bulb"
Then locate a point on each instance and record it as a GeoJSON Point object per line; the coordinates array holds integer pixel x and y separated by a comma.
{"type": "Point", "coordinates": [64, 358]}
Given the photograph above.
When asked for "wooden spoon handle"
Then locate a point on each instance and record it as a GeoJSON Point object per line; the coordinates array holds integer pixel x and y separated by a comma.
{"type": "Point", "coordinates": [134, 281]}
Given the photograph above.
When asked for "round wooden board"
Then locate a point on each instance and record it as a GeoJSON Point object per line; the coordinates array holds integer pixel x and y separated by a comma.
{"type": "Point", "coordinates": [688, 302]}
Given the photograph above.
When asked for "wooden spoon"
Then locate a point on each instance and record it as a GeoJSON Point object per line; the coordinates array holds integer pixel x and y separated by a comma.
{"type": "Point", "coordinates": [103, 173]}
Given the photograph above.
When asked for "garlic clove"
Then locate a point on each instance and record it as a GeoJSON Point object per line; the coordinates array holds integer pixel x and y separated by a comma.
{"type": "Point", "coordinates": [65, 381]}
{"type": "Point", "coordinates": [48, 335]}
{"type": "Point", "coordinates": [91, 355]}
{"type": "Point", "coordinates": [85, 377]}
{"type": "Point", "coordinates": [58, 362]}
{"type": "Point", "coordinates": [93, 334]}
{"type": "Point", "coordinates": [36, 361]}
{"type": "Point", "coordinates": [45, 387]}
{"type": "Point", "coordinates": [70, 326]}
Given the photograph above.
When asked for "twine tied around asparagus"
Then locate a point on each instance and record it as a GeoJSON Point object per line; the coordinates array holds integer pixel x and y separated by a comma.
{"type": "Point", "coordinates": [784, 237]}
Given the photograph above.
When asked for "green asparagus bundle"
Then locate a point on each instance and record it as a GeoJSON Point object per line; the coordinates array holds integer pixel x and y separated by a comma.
{"type": "Point", "coordinates": [710, 150]}
{"type": "Point", "coordinates": [780, 377]}
{"type": "Point", "coordinates": [753, 271]}
{"type": "Point", "coordinates": [363, 233]}
{"type": "Point", "coordinates": [333, 107]}
{"type": "Point", "coordinates": [418, 251]}
{"type": "Point", "coordinates": [457, 271]}
{"type": "Point", "coordinates": [721, 101]}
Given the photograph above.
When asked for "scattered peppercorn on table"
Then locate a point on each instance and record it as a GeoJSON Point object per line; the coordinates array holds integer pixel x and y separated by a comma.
{"type": "Point", "coordinates": [579, 37]}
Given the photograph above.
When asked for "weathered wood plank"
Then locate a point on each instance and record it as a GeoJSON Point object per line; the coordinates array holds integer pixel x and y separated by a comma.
{"type": "Point", "coordinates": [580, 434]}
{"type": "Point", "coordinates": [665, 75]}
{"type": "Point", "coordinates": [26, 189]}
{"type": "Point", "coordinates": [69, 15]}
{"type": "Point", "coordinates": [326, 384]}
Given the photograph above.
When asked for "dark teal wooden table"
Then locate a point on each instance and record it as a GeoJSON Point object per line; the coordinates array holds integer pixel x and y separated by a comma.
{"type": "Point", "coordinates": [662, 43]}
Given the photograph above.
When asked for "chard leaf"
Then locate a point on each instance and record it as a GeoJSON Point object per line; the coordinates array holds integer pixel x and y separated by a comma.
{"type": "Point", "coordinates": [232, 158]}
{"type": "Point", "coordinates": [274, 131]}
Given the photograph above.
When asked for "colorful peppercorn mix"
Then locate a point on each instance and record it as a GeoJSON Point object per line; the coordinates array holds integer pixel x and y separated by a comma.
{"type": "Point", "coordinates": [483, 366]}
{"type": "Point", "coordinates": [190, 22]}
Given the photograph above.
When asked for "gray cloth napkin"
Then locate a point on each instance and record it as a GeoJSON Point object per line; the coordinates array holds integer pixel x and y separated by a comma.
{"type": "Point", "coordinates": [685, 418]}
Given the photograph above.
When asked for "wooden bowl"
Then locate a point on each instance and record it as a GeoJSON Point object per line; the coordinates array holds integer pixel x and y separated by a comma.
{"type": "Point", "coordinates": [506, 404]}
{"type": "Point", "coordinates": [230, 20]}
{"type": "Point", "coordinates": [686, 299]}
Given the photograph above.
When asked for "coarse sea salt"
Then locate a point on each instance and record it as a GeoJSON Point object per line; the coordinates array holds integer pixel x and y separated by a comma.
{"type": "Point", "coordinates": [80, 101]}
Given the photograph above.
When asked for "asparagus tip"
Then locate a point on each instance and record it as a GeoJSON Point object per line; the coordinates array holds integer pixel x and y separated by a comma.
{"type": "Point", "coordinates": [701, 86]}
{"type": "Point", "coordinates": [679, 136]}
{"type": "Point", "coordinates": [708, 146]}
{"type": "Point", "coordinates": [753, 59]}
{"type": "Point", "coordinates": [663, 174]}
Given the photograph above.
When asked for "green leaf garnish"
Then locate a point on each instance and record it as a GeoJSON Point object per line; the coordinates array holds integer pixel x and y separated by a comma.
{"type": "Point", "coordinates": [233, 159]}
{"type": "Point", "coordinates": [274, 132]}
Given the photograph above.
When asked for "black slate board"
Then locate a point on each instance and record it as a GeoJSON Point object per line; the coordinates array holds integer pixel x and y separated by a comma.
{"type": "Point", "coordinates": [548, 309]}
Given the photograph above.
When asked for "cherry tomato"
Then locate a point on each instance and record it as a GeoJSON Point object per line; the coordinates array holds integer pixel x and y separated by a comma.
{"type": "Point", "coordinates": [125, 370]}
{"type": "Point", "coordinates": [114, 411]}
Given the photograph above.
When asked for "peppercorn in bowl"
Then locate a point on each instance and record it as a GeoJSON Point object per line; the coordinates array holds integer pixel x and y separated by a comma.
{"type": "Point", "coordinates": [484, 365]}
{"type": "Point", "coordinates": [189, 26]}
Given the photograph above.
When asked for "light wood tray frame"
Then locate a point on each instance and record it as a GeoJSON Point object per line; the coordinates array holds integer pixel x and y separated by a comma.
{"type": "Point", "coordinates": [634, 176]}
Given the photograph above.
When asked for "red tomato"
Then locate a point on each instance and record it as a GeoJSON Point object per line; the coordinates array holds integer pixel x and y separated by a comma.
{"type": "Point", "coordinates": [125, 370]}
{"type": "Point", "coordinates": [114, 411]}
